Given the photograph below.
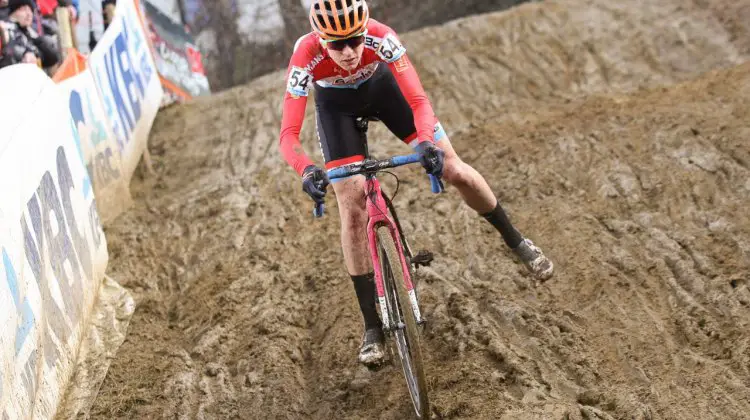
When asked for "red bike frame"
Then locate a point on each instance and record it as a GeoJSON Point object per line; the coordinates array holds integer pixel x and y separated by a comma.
{"type": "Point", "coordinates": [379, 215]}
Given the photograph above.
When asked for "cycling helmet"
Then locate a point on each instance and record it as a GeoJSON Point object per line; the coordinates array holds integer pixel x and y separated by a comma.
{"type": "Point", "coordinates": [338, 19]}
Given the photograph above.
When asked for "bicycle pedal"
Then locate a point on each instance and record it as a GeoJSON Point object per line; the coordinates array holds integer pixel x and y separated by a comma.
{"type": "Point", "coordinates": [423, 258]}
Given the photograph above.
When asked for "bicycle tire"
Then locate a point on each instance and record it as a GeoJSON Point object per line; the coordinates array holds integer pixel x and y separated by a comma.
{"type": "Point", "coordinates": [407, 338]}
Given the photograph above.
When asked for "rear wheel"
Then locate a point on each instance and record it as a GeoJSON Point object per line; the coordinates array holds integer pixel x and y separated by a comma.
{"type": "Point", "coordinates": [402, 316]}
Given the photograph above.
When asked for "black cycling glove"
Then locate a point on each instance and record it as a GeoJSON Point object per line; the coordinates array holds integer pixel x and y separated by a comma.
{"type": "Point", "coordinates": [314, 183]}
{"type": "Point", "coordinates": [431, 158]}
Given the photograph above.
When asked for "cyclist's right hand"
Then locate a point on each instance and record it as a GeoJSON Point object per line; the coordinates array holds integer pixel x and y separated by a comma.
{"type": "Point", "coordinates": [314, 183]}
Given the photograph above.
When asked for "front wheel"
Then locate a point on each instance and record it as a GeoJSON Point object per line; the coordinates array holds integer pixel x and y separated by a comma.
{"type": "Point", "coordinates": [402, 316]}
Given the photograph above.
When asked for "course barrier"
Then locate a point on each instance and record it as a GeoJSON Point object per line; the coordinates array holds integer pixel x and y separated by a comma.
{"type": "Point", "coordinates": [125, 75]}
{"type": "Point", "coordinates": [67, 153]}
{"type": "Point", "coordinates": [114, 97]}
{"type": "Point", "coordinates": [101, 151]}
{"type": "Point", "coordinates": [53, 249]}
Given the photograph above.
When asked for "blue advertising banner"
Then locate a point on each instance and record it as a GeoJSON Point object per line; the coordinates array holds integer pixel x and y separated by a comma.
{"type": "Point", "coordinates": [125, 75]}
{"type": "Point", "coordinates": [99, 149]}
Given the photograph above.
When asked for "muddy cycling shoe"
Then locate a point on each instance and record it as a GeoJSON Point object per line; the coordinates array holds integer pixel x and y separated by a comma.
{"type": "Point", "coordinates": [533, 258]}
{"type": "Point", "coordinates": [372, 352]}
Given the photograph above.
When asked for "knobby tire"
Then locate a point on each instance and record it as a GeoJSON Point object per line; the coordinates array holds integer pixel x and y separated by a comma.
{"type": "Point", "coordinates": [394, 283]}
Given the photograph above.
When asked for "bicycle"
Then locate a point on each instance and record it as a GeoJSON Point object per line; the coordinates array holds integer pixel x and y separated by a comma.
{"type": "Point", "coordinates": [393, 281]}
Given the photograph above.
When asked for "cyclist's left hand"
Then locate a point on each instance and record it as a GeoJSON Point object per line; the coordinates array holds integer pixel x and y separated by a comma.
{"type": "Point", "coordinates": [431, 158]}
{"type": "Point", "coordinates": [314, 183]}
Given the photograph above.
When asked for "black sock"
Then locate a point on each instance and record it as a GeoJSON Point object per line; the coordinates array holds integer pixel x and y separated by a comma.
{"type": "Point", "coordinates": [364, 286]}
{"type": "Point", "coordinates": [499, 220]}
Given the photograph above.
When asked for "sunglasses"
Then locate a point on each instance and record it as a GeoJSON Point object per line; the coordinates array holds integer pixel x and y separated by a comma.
{"type": "Point", "coordinates": [339, 44]}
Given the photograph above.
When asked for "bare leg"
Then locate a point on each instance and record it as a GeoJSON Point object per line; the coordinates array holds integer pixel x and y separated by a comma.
{"type": "Point", "coordinates": [470, 184]}
{"type": "Point", "coordinates": [479, 196]}
{"type": "Point", "coordinates": [350, 194]}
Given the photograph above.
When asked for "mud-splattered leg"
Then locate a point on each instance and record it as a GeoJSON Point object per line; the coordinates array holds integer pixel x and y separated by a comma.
{"type": "Point", "coordinates": [478, 195]}
{"type": "Point", "coordinates": [350, 196]}
{"type": "Point", "coordinates": [353, 214]}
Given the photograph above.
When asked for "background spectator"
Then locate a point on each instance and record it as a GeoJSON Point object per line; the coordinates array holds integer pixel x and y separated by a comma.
{"type": "Point", "coordinates": [108, 8]}
{"type": "Point", "coordinates": [47, 12]}
{"type": "Point", "coordinates": [4, 10]}
{"type": "Point", "coordinates": [22, 43]}
{"type": "Point", "coordinates": [50, 23]}
{"type": "Point", "coordinates": [72, 5]}
{"type": "Point", "coordinates": [3, 16]}
{"type": "Point", "coordinates": [47, 7]}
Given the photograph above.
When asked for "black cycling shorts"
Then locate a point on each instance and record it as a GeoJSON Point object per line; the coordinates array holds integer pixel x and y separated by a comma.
{"type": "Point", "coordinates": [337, 111]}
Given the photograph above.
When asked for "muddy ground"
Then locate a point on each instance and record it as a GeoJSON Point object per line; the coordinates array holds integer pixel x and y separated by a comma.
{"type": "Point", "coordinates": [616, 133]}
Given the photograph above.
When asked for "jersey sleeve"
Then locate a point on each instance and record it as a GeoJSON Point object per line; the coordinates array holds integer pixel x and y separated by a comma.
{"type": "Point", "coordinates": [411, 87]}
{"type": "Point", "coordinates": [392, 52]}
{"type": "Point", "coordinates": [299, 80]}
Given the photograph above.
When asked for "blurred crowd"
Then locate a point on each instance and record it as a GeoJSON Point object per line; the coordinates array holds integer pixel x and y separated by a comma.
{"type": "Point", "coordinates": [29, 32]}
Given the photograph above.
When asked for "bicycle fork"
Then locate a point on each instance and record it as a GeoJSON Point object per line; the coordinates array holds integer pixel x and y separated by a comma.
{"type": "Point", "coordinates": [377, 210]}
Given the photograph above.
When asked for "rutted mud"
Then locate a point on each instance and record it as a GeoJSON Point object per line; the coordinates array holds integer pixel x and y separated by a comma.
{"type": "Point", "coordinates": [638, 192]}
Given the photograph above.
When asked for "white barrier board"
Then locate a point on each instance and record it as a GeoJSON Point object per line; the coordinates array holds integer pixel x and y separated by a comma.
{"type": "Point", "coordinates": [52, 249]}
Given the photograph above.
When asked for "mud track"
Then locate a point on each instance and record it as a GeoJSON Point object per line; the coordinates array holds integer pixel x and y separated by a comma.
{"type": "Point", "coordinates": [615, 133]}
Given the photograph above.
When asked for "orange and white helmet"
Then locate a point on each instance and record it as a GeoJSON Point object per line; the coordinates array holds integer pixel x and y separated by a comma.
{"type": "Point", "coordinates": [338, 19]}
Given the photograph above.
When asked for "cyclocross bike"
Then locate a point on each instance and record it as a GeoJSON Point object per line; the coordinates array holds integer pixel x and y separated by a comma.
{"type": "Point", "coordinates": [394, 264]}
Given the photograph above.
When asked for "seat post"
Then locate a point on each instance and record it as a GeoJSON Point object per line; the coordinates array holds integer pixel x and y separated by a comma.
{"type": "Point", "coordinates": [362, 124]}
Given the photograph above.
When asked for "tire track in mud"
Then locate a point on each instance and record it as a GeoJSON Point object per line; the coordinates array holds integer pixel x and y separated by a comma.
{"type": "Point", "coordinates": [542, 49]}
{"type": "Point", "coordinates": [687, 260]}
{"type": "Point", "coordinates": [245, 309]}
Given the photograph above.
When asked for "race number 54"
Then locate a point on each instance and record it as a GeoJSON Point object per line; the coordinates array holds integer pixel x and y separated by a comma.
{"type": "Point", "coordinates": [299, 82]}
{"type": "Point", "coordinates": [391, 49]}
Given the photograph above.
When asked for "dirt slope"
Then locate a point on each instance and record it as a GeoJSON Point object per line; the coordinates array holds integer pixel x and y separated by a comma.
{"type": "Point", "coordinates": [638, 193]}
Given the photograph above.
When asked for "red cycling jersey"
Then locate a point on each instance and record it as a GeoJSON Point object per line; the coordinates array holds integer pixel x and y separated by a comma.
{"type": "Point", "coordinates": [310, 63]}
